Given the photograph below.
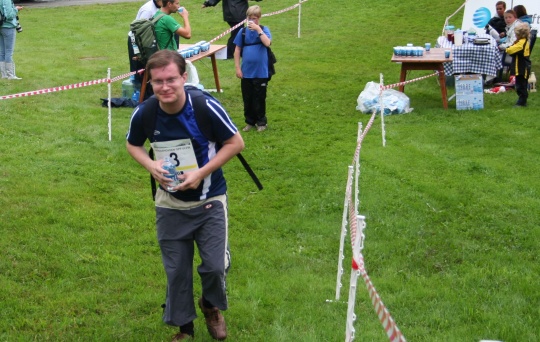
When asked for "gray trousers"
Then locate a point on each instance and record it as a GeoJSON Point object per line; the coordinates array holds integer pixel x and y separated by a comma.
{"type": "Point", "coordinates": [179, 226]}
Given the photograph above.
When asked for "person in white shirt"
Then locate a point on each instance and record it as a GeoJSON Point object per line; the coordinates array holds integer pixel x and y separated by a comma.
{"type": "Point", "coordinates": [148, 10]}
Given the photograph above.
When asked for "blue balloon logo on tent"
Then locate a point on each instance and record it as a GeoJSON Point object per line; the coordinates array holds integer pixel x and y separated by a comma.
{"type": "Point", "coordinates": [481, 17]}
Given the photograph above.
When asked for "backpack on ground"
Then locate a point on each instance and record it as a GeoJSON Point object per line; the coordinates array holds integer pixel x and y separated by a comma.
{"type": "Point", "coordinates": [202, 116]}
{"type": "Point", "coordinates": [144, 33]}
{"type": "Point", "coordinates": [271, 57]}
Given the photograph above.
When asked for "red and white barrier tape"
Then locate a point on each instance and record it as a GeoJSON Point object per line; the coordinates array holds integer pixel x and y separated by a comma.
{"type": "Point", "coordinates": [71, 86]}
{"type": "Point", "coordinates": [390, 86]}
{"type": "Point", "coordinates": [388, 323]}
{"type": "Point", "coordinates": [121, 77]}
{"type": "Point", "coordinates": [359, 143]}
{"type": "Point", "coordinates": [55, 89]}
{"type": "Point", "coordinates": [264, 15]}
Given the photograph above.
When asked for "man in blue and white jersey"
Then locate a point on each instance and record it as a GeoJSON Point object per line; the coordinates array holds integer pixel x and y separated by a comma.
{"type": "Point", "coordinates": [195, 211]}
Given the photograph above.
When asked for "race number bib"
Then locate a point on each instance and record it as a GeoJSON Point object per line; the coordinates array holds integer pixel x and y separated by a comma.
{"type": "Point", "coordinates": [180, 152]}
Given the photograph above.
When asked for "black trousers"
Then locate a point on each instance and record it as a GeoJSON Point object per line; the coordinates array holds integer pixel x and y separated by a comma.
{"type": "Point", "coordinates": [521, 90]}
{"type": "Point", "coordinates": [135, 65]}
{"type": "Point", "coordinates": [254, 96]}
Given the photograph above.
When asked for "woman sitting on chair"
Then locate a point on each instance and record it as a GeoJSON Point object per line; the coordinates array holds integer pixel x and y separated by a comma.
{"type": "Point", "coordinates": [521, 14]}
{"type": "Point", "coordinates": [511, 20]}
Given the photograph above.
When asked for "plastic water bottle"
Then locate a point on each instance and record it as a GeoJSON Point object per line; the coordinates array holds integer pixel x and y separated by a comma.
{"type": "Point", "coordinates": [136, 95]}
{"type": "Point", "coordinates": [171, 169]}
{"type": "Point", "coordinates": [181, 9]}
{"type": "Point", "coordinates": [127, 88]}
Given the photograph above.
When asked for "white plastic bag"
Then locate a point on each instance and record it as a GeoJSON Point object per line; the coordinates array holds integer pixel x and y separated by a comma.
{"type": "Point", "coordinates": [193, 76]}
{"type": "Point", "coordinates": [394, 102]}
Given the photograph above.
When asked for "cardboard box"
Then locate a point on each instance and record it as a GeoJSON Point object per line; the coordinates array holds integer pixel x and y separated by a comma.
{"type": "Point", "coordinates": [475, 101]}
{"type": "Point", "coordinates": [469, 92]}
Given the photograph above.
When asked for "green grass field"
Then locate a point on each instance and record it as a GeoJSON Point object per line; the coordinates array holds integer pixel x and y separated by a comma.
{"type": "Point", "coordinates": [452, 203]}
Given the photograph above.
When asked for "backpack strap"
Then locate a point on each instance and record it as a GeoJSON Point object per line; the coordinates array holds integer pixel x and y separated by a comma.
{"type": "Point", "coordinates": [156, 19]}
{"type": "Point", "coordinates": [204, 122]}
{"type": "Point", "coordinates": [149, 115]}
{"type": "Point", "coordinates": [202, 115]}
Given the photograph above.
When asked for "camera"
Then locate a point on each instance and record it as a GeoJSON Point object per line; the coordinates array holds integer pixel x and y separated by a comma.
{"type": "Point", "coordinates": [18, 28]}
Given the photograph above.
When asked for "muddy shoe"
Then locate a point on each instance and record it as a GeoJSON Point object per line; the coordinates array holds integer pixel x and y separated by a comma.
{"type": "Point", "coordinates": [182, 337]}
{"type": "Point", "coordinates": [214, 322]}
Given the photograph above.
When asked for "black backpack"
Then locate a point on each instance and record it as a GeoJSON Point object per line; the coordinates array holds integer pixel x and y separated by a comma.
{"type": "Point", "coordinates": [202, 116]}
{"type": "Point", "coordinates": [271, 57]}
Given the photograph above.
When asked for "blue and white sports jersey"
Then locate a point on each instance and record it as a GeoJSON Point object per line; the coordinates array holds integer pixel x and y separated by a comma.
{"type": "Point", "coordinates": [183, 125]}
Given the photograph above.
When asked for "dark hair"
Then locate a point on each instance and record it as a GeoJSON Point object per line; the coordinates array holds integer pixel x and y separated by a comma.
{"type": "Point", "coordinates": [164, 3]}
{"type": "Point", "coordinates": [162, 58]}
{"type": "Point", "coordinates": [520, 11]}
{"type": "Point", "coordinates": [501, 3]}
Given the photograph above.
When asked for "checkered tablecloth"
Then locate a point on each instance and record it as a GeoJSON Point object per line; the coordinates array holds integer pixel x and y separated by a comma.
{"type": "Point", "coordinates": [470, 58]}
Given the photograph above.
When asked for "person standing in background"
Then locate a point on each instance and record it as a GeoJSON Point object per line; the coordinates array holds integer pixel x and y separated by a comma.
{"type": "Point", "coordinates": [167, 27]}
{"type": "Point", "coordinates": [234, 12]}
{"type": "Point", "coordinates": [497, 22]}
{"type": "Point", "coordinates": [521, 62]}
{"type": "Point", "coordinates": [8, 34]}
{"type": "Point", "coordinates": [252, 44]}
{"type": "Point", "coordinates": [146, 11]}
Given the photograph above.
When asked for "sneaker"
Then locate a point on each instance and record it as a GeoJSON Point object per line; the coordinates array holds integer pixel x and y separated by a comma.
{"type": "Point", "coordinates": [247, 128]}
{"type": "Point", "coordinates": [261, 128]}
{"type": "Point", "coordinates": [215, 323]}
{"type": "Point", "coordinates": [182, 337]}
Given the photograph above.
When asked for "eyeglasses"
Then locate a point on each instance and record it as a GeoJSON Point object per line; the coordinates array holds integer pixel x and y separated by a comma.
{"type": "Point", "coordinates": [161, 83]}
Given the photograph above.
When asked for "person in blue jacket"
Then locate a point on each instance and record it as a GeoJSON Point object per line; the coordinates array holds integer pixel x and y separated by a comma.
{"type": "Point", "coordinates": [234, 12]}
{"type": "Point", "coordinates": [251, 47]}
{"type": "Point", "coordinates": [521, 13]}
{"type": "Point", "coordinates": [8, 33]}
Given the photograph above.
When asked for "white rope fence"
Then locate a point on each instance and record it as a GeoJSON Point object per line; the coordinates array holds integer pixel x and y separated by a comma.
{"type": "Point", "coordinates": [357, 225]}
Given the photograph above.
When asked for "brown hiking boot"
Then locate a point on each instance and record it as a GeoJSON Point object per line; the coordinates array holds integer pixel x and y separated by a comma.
{"type": "Point", "coordinates": [215, 323]}
{"type": "Point", "coordinates": [182, 337]}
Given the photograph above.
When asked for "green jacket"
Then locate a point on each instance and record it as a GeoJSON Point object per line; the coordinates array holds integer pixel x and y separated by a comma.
{"type": "Point", "coordinates": [9, 11]}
